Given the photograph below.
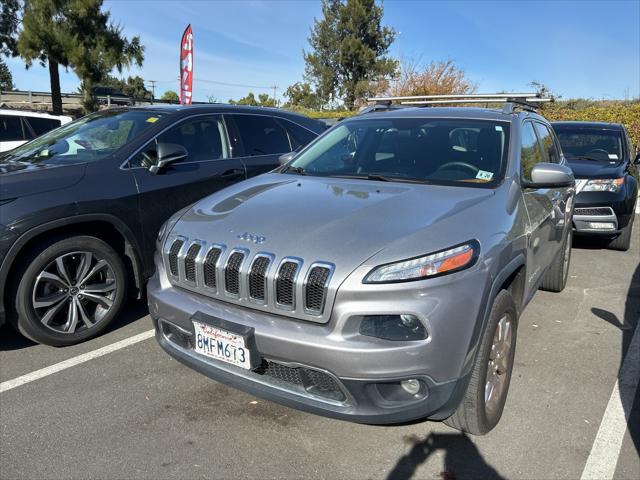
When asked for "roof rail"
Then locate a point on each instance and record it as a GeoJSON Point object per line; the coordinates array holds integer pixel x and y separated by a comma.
{"type": "Point", "coordinates": [526, 101]}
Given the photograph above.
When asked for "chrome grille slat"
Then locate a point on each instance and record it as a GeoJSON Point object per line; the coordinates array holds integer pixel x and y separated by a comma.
{"type": "Point", "coordinates": [258, 278]}
{"type": "Point", "coordinates": [286, 285]}
{"type": "Point", "coordinates": [315, 288]}
{"type": "Point", "coordinates": [173, 256]}
{"type": "Point", "coordinates": [232, 273]}
{"type": "Point", "coordinates": [209, 268]}
{"type": "Point", "coordinates": [190, 262]}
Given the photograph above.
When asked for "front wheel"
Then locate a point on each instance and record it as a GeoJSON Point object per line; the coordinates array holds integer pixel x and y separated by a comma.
{"type": "Point", "coordinates": [69, 291]}
{"type": "Point", "coordinates": [556, 277]}
{"type": "Point", "coordinates": [483, 402]}
{"type": "Point", "coordinates": [623, 241]}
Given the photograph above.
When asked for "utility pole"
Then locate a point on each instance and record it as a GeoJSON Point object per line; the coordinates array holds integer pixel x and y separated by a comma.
{"type": "Point", "coordinates": [153, 89]}
{"type": "Point", "coordinates": [275, 102]}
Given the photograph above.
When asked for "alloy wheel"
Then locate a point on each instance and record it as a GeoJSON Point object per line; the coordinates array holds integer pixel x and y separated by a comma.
{"type": "Point", "coordinates": [74, 292]}
{"type": "Point", "coordinates": [498, 366]}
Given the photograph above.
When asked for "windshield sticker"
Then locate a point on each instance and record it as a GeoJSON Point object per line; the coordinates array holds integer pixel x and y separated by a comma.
{"type": "Point", "coordinates": [482, 175]}
{"type": "Point", "coordinates": [613, 156]}
{"type": "Point", "coordinates": [152, 119]}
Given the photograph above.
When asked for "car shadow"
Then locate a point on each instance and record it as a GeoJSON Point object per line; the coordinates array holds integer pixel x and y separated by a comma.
{"type": "Point", "coordinates": [462, 459]}
{"type": "Point", "coordinates": [589, 242]}
{"type": "Point", "coordinates": [627, 328]}
{"type": "Point", "coordinates": [133, 310]}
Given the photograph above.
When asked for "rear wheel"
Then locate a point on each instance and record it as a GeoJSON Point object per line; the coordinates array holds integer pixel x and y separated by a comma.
{"type": "Point", "coordinates": [69, 291]}
{"type": "Point", "coordinates": [623, 241]}
{"type": "Point", "coordinates": [483, 402]}
{"type": "Point", "coordinates": [556, 277]}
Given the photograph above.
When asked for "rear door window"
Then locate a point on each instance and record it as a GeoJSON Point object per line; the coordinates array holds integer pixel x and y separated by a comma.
{"type": "Point", "coordinates": [11, 129]}
{"type": "Point", "coordinates": [530, 153]}
{"type": "Point", "coordinates": [549, 148]}
{"type": "Point", "coordinates": [260, 135]}
{"type": "Point", "coordinates": [42, 125]}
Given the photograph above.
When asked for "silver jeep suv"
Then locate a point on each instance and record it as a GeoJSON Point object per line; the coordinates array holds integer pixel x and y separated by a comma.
{"type": "Point", "coordinates": [377, 277]}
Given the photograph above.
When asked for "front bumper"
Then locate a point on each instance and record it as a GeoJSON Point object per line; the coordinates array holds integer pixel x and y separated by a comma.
{"type": "Point", "coordinates": [602, 213]}
{"type": "Point", "coordinates": [367, 370]}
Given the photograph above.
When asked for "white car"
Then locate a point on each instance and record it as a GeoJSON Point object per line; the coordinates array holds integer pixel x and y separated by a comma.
{"type": "Point", "coordinates": [18, 126]}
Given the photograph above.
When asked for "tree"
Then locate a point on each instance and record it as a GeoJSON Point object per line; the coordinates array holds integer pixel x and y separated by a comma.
{"type": "Point", "coordinates": [170, 96]}
{"type": "Point", "coordinates": [79, 35]}
{"type": "Point", "coordinates": [9, 20]}
{"type": "Point", "coordinates": [348, 51]}
{"type": "Point", "coordinates": [263, 100]}
{"type": "Point", "coordinates": [6, 79]}
{"type": "Point", "coordinates": [301, 95]}
{"type": "Point", "coordinates": [132, 86]}
{"type": "Point", "coordinates": [435, 78]}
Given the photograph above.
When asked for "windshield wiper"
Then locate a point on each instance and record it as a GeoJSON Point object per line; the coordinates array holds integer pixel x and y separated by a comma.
{"type": "Point", "coordinates": [383, 178]}
{"type": "Point", "coordinates": [298, 170]}
{"type": "Point", "coordinates": [586, 157]}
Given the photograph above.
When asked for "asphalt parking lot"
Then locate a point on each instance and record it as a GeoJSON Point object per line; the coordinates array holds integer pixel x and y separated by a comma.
{"type": "Point", "coordinates": [136, 413]}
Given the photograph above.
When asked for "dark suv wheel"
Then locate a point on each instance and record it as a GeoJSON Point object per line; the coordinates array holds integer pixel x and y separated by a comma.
{"type": "Point", "coordinates": [70, 289]}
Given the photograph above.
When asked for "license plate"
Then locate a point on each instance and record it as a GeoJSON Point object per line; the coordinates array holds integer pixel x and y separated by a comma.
{"type": "Point", "coordinates": [222, 345]}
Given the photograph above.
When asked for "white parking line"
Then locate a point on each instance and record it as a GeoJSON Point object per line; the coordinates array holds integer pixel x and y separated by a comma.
{"type": "Point", "coordinates": [603, 458]}
{"type": "Point", "coordinates": [85, 357]}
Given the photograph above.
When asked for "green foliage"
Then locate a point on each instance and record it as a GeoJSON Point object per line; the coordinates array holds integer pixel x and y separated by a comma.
{"type": "Point", "coordinates": [9, 20]}
{"type": "Point", "coordinates": [301, 95]}
{"type": "Point", "coordinates": [263, 100]}
{"type": "Point", "coordinates": [627, 113]}
{"type": "Point", "coordinates": [348, 51]}
{"type": "Point", "coordinates": [170, 96]}
{"type": "Point", "coordinates": [6, 79]}
{"type": "Point", "coordinates": [131, 87]}
{"type": "Point", "coordinates": [79, 35]}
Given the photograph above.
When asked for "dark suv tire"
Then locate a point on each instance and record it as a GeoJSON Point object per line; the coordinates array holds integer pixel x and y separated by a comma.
{"type": "Point", "coordinates": [483, 402]}
{"type": "Point", "coordinates": [70, 290]}
{"type": "Point", "coordinates": [623, 241]}
{"type": "Point", "coordinates": [556, 277]}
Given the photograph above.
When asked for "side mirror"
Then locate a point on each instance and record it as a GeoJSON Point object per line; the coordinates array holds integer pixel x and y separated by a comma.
{"type": "Point", "coordinates": [168, 153]}
{"type": "Point", "coordinates": [550, 175]}
{"type": "Point", "coordinates": [637, 159]}
{"type": "Point", "coordinates": [287, 157]}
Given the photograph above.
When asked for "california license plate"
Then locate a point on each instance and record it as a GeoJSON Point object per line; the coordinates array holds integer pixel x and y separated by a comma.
{"type": "Point", "coordinates": [222, 345]}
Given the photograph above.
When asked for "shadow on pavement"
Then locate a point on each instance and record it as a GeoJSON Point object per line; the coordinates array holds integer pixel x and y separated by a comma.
{"type": "Point", "coordinates": [589, 243]}
{"type": "Point", "coordinates": [462, 459]}
{"type": "Point", "coordinates": [133, 310]}
{"type": "Point", "coordinates": [627, 327]}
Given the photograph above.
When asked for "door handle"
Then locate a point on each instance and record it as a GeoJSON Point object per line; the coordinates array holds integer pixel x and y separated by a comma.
{"type": "Point", "coordinates": [233, 173]}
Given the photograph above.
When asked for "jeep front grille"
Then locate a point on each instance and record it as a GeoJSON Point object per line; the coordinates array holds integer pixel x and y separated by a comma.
{"type": "Point", "coordinates": [232, 273]}
{"type": "Point", "coordinates": [190, 262]}
{"type": "Point", "coordinates": [287, 286]}
{"type": "Point", "coordinates": [173, 256]}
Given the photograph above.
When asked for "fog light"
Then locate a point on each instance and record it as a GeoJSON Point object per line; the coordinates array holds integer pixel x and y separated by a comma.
{"type": "Point", "coordinates": [602, 225]}
{"type": "Point", "coordinates": [393, 327]}
{"type": "Point", "coordinates": [411, 386]}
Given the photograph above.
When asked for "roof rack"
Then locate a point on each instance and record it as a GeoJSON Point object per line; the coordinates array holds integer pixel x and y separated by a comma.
{"type": "Point", "coordinates": [526, 101]}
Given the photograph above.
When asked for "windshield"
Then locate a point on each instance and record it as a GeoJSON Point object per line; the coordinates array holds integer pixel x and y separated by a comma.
{"type": "Point", "coordinates": [445, 151]}
{"type": "Point", "coordinates": [593, 144]}
{"type": "Point", "coordinates": [87, 139]}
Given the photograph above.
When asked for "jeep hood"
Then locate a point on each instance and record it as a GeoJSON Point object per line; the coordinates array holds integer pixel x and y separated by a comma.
{"type": "Point", "coordinates": [341, 221]}
{"type": "Point", "coordinates": [18, 179]}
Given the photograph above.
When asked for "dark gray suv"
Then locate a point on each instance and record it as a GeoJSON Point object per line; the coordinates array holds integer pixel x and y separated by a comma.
{"type": "Point", "coordinates": [379, 276]}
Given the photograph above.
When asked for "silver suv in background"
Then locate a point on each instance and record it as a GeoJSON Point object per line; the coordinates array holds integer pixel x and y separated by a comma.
{"type": "Point", "coordinates": [379, 276]}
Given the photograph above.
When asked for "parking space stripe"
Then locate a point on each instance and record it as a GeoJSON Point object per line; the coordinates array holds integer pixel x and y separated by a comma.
{"type": "Point", "coordinates": [603, 458]}
{"type": "Point", "coordinates": [85, 357]}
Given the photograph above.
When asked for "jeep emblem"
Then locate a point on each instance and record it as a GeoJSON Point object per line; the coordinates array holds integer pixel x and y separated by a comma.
{"type": "Point", "coordinates": [249, 237]}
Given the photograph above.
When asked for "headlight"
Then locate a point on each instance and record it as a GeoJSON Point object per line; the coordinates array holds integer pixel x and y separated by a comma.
{"type": "Point", "coordinates": [435, 264]}
{"type": "Point", "coordinates": [604, 185]}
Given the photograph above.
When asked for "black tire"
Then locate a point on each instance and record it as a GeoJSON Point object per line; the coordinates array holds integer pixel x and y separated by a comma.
{"type": "Point", "coordinates": [623, 241]}
{"type": "Point", "coordinates": [28, 318]}
{"type": "Point", "coordinates": [556, 277]}
{"type": "Point", "coordinates": [473, 415]}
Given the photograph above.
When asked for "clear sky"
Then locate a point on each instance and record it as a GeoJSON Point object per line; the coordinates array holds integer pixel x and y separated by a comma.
{"type": "Point", "coordinates": [578, 48]}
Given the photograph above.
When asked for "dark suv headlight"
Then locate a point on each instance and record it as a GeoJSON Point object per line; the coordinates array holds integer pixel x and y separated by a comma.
{"type": "Point", "coordinates": [435, 264]}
